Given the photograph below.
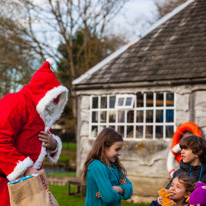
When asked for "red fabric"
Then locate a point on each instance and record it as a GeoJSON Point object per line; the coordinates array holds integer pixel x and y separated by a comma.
{"type": "Point", "coordinates": [4, 193]}
{"type": "Point", "coordinates": [20, 125]}
{"type": "Point", "coordinates": [42, 81]}
{"type": "Point", "coordinates": [56, 100]}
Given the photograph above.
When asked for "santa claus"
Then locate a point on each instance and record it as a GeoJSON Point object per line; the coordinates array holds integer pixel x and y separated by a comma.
{"type": "Point", "coordinates": [25, 121]}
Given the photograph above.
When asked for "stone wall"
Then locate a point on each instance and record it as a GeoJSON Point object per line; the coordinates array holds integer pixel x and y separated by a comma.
{"type": "Point", "coordinates": [200, 110]}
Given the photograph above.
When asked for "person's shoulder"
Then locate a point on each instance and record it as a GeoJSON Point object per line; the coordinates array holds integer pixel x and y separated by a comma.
{"type": "Point", "coordinates": [96, 163]}
{"type": "Point", "coordinates": [184, 166]}
{"type": "Point", "coordinates": [154, 203]}
{"type": "Point", "coordinates": [12, 100]}
{"type": "Point", "coordinates": [8, 97]}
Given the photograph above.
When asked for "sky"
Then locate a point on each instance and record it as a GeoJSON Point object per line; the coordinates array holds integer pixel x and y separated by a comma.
{"type": "Point", "coordinates": [135, 17]}
{"type": "Point", "coordinates": [133, 20]}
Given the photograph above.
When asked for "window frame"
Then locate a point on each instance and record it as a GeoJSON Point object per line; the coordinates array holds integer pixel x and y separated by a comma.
{"type": "Point", "coordinates": [124, 106]}
{"type": "Point", "coordinates": [135, 109]}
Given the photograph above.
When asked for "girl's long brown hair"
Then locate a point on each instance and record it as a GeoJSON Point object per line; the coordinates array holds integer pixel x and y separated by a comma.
{"type": "Point", "coordinates": [106, 138]}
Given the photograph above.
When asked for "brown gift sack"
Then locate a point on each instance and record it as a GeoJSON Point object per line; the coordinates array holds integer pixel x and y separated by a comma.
{"type": "Point", "coordinates": [32, 192]}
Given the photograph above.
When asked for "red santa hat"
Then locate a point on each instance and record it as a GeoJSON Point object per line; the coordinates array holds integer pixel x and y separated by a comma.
{"type": "Point", "coordinates": [45, 88]}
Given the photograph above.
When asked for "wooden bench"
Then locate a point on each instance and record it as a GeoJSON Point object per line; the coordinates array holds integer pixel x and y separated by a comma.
{"type": "Point", "coordinates": [80, 187]}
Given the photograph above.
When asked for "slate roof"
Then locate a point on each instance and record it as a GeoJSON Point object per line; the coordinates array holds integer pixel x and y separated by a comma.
{"type": "Point", "coordinates": [173, 52]}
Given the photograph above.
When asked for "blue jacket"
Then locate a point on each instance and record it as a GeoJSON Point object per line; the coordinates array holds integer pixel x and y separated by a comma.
{"type": "Point", "coordinates": [194, 171]}
{"type": "Point", "coordinates": [100, 179]}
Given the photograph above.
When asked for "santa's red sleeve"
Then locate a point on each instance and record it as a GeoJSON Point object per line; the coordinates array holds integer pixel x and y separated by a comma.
{"type": "Point", "coordinates": [13, 115]}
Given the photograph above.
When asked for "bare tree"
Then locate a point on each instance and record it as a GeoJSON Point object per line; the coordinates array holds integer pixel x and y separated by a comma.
{"type": "Point", "coordinates": [165, 7]}
{"type": "Point", "coordinates": [51, 26]}
{"type": "Point", "coordinates": [49, 22]}
{"type": "Point", "coordinates": [16, 58]}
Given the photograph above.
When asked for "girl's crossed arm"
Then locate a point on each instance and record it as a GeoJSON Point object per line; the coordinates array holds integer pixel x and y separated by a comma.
{"type": "Point", "coordinates": [126, 185]}
{"type": "Point", "coordinates": [105, 188]}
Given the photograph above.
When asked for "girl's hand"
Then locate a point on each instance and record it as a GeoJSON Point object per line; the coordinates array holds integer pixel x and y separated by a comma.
{"type": "Point", "coordinates": [98, 195]}
{"type": "Point", "coordinates": [123, 181]}
{"type": "Point", "coordinates": [47, 140]}
{"type": "Point", "coordinates": [118, 189]}
{"type": "Point", "coordinates": [159, 200]}
{"type": "Point", "coordinates": [115, 188]}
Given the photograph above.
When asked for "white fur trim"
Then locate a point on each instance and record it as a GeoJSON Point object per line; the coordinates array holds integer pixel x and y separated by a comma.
{"type": "Point", "coordinates": [55, 158]}
{"type": "Point", "coordinates": [50, 95]}
{"type": "Point", "coordinates": [20, 169]}
{"type": "Point", "coordinates": [40, 159]}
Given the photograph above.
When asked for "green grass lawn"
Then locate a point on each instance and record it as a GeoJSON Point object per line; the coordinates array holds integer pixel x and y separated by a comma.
{"type": "Point", "coordinates": [60, 193]}
{"type": "Point", "coordinates": [69, 146]}
{"type": "Point", "coordinates": [63, 174]}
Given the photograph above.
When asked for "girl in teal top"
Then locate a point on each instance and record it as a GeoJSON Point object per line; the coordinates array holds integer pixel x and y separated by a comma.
{"type": "Point", "coordinates": [105, 176]}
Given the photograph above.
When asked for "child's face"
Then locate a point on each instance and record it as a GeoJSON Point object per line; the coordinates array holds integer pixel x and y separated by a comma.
{"type": "Point", "coordinates": [178, 190]}
{"type": "Point", "coordinates": [114, 151]}
{"type": "Point", "coordinates": [189, 157]}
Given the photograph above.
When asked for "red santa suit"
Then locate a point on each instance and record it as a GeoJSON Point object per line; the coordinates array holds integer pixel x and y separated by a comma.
{"type": "Point", "coordinates": [22, 116]}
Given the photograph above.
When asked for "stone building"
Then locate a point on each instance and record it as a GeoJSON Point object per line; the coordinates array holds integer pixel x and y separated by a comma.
{"type": "Point", "coordinates": [145, 90]}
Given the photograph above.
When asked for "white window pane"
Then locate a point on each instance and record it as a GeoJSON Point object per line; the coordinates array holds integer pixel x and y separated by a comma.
{"type": "Point", "coordinates": [149, 116]}
{"type": "Point", "coordinates": [121, 116]}
{"type": "Point", "coordinates": [94, 117]}
{"type": "Point", "coordinates": [139, 116]}
{"type": "Point", "coordinates": [159, 100]}
{"type": "Point", "coordinates": [101, 128]}
{"type": "Point", "coordinates": [94, 132]}
{"type": "Point", "coordinates": [128, 101]}
{"type": "Point", "coordinates": [139, 131]}
{"type": "Point", "coordinates": [120, 101]}
{"type": "Point", "coordinates": [130, 131]}
{"type": "Point", "coordinates": [112, 100]}
{"type": "Point", "coordinates": [103, 102]}
{"type": "Point", "coordinates": [159, 132]}
{"type": "Point", "coordinates": [120, 129]}
{"type": "Point", "coordinates": [149, 132]}
{"type": "Point", "coordinates": [169, 99]}
{"type": "Point", "coordinates": [103, 117]}
{"type": "Point", "coordinates": [169, 115]}
{"type": "Point", "coordinates": [149, 99]}
{"type": "Point", "coordinates": [112, 116]}
{"type": "Point", "coordinates": [94, 102]}
{"type": "Point", "coordinates": [169, 131]}
{"type": "Point", "coordinates": [159, 115]}
{"type": "Point", "coordinates": [140, 100]}
{"type": "Point", "coordinates": [130, 116]}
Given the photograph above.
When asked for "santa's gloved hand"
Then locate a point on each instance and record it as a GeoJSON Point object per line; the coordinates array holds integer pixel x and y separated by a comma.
{"type": "Point", "coordinates": [47, 140]}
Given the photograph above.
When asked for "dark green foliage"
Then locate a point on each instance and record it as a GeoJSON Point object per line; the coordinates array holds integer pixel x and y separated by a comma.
{"type": "Point", "coordinates": [87, 50]}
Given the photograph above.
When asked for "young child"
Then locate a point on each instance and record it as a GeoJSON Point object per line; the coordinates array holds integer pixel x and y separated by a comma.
{"type": "Point", "coordinates": [105, 176]}
{"type": "Point", "coordinates": [181, 188]}
{"type": "Point", "coordinates": [193, 152]}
